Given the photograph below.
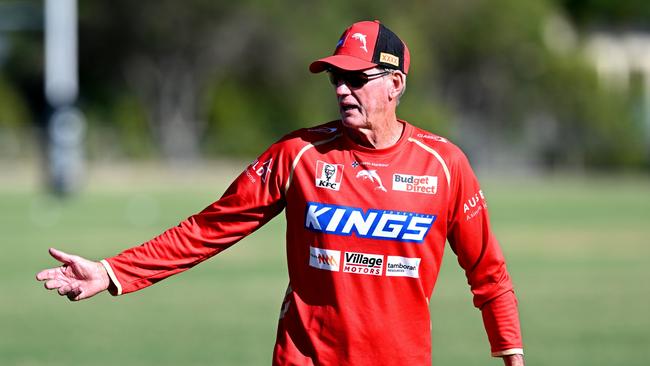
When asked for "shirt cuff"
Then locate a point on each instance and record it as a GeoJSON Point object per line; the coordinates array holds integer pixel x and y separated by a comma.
{"type": "Point", "coordinates": [508, 352]}
{"type": "Point", "coordinates": [112, 276]}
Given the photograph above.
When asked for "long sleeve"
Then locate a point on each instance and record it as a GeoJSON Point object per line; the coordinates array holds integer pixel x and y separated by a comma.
{"type": "Point", "coordinates": [479, 254]}
{"type": "Point", "coordinates": [501, 320]}
{"type": "Point", "coordinates": [254, 198]}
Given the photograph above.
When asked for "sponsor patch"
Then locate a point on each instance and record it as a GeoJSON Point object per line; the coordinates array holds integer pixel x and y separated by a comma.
{"type": "Point", "coordinates": [323, 129]}
{"type": "Point", "coordinates": [402, 267]}
{"type": "Point", "coordinates": [415, 183]}
{"type": "Point", "coordinates": [328, 175]}
{"type": "Point", "coordinates": [372, 224]}
{"type": "Point", "coordinates": [474, 205]}
{"type": "Point", "coordinates": [389, 59]}
{"type": "Point", "coordinates": [362, 263]}
{"type": "Point", "coordinates": [262, 170]}
{"type": "Point", "coordinates": [432, 137]}
{"type": "Point", "coordinates": [324, 259]}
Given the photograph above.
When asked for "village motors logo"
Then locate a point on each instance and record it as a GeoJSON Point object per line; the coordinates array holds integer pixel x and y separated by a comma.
{"type": "Point", "coordinates": [328, 175]}
{"type": "Point", "coordinates": [415, 183]}
{"type": "Point", "coordinates": [324, 259]}
{"type": "Point", "coordinates": [362, 263]}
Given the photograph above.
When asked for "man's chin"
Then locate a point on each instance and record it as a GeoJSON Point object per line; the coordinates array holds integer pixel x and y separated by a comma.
{"type": "Point", "coordinates": [352, 121]}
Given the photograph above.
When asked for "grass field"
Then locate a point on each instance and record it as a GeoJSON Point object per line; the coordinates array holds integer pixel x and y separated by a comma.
{"type": "Point", "coordinates": [578, 250]}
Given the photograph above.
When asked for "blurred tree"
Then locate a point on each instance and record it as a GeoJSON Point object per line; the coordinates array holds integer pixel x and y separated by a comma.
{"type": "Point", "coordinates": [613, 13]}
{"type": "Point", "coordinates": [166, 53]}
{"type": "Point", "coordinates": [503, 78]}
{"type": "Point", "coordinates": [517, 98]}
{"type": "Point", "coordinates": [14, 118]}
{"type": "Point", "coordinates": [625, 24]}
{"type": "Point", "coordinates": [22, 103]}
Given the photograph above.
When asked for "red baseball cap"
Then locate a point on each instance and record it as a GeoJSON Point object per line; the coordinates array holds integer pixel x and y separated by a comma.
{"type": "Point", "coordinates": [365, 45]}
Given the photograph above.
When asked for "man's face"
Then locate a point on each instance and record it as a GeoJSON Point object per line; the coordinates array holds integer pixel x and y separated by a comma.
{"type": "Point", "coordinates": [360, 105]}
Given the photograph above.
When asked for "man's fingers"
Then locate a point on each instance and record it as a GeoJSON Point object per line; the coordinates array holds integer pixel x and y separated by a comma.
{"type": "Point", "coordinates": [52, 284]}
{"type": "Point", "coordinates": [71, 290]}
{"type": "Point", "coordinates": [75, 294]}
{"type": "Point", "coordinates": [66, 289]}
{"type": "Point", "coordinates": [62, 256]}
{"type": "Point", "coordinates": [57, 273]}
{"type": "Point", "coordinates": [75, 272]}
{"type": "Point", "coordinates": [46, 274]}
{"type": "Point", "coordinates": [63, 290]}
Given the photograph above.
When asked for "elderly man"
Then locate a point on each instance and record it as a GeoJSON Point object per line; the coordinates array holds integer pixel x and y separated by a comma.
{"type": "Point", "coordinates": [369, 200]}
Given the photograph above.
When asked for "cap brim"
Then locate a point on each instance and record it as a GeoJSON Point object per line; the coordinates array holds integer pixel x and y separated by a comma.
{"type": "Point", "coordinates": [342, 62]}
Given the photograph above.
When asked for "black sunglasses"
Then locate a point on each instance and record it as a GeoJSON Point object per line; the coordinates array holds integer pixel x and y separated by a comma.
{"type": "Point", "coordinates": [354, 80]}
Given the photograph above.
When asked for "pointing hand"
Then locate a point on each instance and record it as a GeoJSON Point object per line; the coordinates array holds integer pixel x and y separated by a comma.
{"type": "Point", "coordinates": [78, 278]}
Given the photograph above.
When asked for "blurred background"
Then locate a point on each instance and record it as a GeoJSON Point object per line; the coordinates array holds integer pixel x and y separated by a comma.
{"type": "Point", "coordinates": [121, 118]}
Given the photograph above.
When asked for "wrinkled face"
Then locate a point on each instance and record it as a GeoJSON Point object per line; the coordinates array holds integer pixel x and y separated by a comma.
{"type": "Point", "coordinates": [361, 104]}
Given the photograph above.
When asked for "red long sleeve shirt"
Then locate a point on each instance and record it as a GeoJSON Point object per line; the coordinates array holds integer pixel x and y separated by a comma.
{"type": "Point", "coordinates": [366, 231]}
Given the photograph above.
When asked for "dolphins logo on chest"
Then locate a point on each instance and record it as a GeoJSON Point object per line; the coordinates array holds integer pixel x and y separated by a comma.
{"type": "Point", "coordinates": [373, 177]}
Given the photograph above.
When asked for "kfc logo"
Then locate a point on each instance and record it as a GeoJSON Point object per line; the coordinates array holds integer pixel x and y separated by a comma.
{"type": "Point", "coordinates": [328, 175]}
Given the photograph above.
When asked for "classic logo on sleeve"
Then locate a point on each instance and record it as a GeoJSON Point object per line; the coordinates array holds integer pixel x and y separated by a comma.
{"type": "Point", "coordinates": [328, 175]}
{"type": "Point", "coordinates": [403, 267]}
{"type": "Point", "coordinates": [362, 263]}
{"type": "Point", "coordinates": [262, 170]}
{"type": "Point", "coordinates": [432, 137]}
{"type": "Point", "coordinates": [324, 259]}
{"type": "Point", "coordinates": [372, 224]}
{"type": "Point", "coordinates": [323, 129]}
{"type": "Point", "coordinates": [415, 183]}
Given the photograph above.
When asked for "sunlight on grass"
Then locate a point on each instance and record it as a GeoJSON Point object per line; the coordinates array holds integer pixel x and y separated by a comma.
{"type": "Point", "coordinates": [577, 251]}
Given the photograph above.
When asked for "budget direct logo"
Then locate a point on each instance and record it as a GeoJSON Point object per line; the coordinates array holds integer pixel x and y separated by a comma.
{"type": "Point", "coordinates": [324, 259]}
{"type": "Point", "coordinates": [328, 175]}
{"type": "Point", "coordinates": [371, 224]}
{"type": "Point", "coordinates": [415, 183]}
{"type": "Point", "coordinates": [362, 263]}
{"type": "Point", "coordinates": [403, 267]}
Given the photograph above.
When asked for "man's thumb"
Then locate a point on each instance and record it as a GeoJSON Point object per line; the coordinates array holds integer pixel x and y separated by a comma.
{"type": "Point", "coordinates": [61, 256]}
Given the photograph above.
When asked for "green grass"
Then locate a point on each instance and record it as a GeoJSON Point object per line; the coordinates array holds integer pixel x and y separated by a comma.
{"type": "Point", "coordinates": [578, 251]}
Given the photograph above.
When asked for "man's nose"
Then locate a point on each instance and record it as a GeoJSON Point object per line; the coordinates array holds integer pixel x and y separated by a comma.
{"type": "Point", "coordinates": [342, 89]}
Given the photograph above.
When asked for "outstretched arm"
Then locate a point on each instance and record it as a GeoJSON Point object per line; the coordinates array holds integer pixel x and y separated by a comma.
{"type": "Point", "coordinates": [78, 278]}
{"type": "Point", "coordinates": [513, 360]}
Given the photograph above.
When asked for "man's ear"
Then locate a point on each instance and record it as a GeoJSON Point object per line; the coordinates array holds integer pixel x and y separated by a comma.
{"type": "Point", "coordinates": [398, 83]}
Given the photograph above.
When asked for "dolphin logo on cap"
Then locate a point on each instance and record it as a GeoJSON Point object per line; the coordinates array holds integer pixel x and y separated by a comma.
{"type": "Point", "coordinates": [361, 38]}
